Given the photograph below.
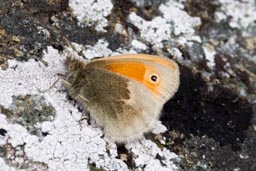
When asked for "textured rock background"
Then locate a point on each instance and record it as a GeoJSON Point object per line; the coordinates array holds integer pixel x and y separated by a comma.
{"type": "Point", "coordinates": [210, 124]}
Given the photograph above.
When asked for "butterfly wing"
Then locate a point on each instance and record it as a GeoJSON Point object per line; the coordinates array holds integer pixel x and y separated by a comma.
{"type": "Point", "coordinates": [126, 93]}
{"type": "Point", "coordinates": [142, 69]}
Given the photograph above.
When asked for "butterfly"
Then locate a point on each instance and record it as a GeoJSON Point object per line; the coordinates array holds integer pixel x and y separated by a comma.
{"type": "Point", "coordinates": [124, 94]}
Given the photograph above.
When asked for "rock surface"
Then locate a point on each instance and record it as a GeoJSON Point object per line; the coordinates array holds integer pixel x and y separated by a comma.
{"type": "Point", "coordinates": [210, 124]}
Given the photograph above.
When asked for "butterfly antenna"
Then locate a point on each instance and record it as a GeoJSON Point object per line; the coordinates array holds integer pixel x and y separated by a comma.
{"type": "Point", "coordinates": [53, 84]}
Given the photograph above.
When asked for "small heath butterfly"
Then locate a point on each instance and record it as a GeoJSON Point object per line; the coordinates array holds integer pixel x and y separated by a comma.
{"type": "Point", "coordinates": [124, 94]}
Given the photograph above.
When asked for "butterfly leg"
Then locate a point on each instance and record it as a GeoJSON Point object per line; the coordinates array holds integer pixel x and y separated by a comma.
{"type": "Point", "coordinates": [84, 113]}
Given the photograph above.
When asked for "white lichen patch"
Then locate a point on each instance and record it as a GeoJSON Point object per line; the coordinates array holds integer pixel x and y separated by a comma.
{"type": "Point", "coordinates": [182, 23]}
{"type": "Point", "coordinates": [173, 22]}
{"type": "Point", "coordinates": [176, 53]}
{"type": "Point", "coordinates": [92, 12]}
{"type": "Point", "coordinates": [100, 49]}
{"type": "Point", "coordinates": [146, 153]}
{"type": "Point", "coordinates": [5, 167]}
{"type": "Point", "coordinates": [139, 46]}
{"type": "Point", "coordinates": [209, 52]}
{"type": "Point", "coordinates": [240, 13]}
{"type": "Point", "coordinates": [158, 128]}
{"type": "Point", "coordinates": [29, 77]}
{"type": "Point", "coordinates": [66, 145]}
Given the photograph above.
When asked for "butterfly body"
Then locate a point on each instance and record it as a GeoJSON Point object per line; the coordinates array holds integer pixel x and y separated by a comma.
{"type": "Point", "coordinates": [124, 94]}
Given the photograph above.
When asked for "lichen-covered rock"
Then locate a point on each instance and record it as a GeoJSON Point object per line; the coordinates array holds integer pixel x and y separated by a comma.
{"type": "Point", "coordinates": [209, 124]}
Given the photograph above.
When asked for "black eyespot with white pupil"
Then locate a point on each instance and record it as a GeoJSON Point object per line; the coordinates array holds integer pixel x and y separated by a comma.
{"type": "Point", "coordinates": [154, 78]}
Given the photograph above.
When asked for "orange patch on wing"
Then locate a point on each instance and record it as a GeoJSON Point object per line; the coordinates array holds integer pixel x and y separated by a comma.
{"type": "Point", "coordinates": [135, 71]}
{"type": "Point", "coordinates": [160, 60]}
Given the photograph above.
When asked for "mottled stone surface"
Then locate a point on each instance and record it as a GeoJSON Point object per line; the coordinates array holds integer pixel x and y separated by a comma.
{"type": "Point", "coordinates": [211, 121]}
